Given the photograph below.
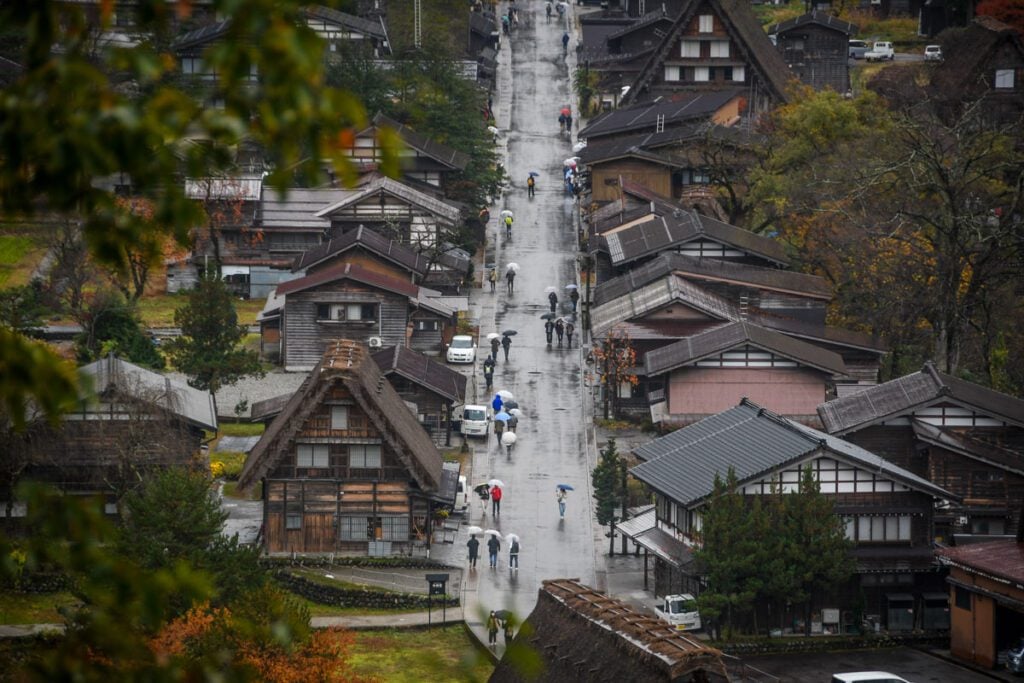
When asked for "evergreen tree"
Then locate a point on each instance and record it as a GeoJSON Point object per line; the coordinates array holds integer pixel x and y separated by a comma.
{"type": "Point", "coordinates": [605, 479]}
{"type": "Point", "coordinates": [207, 350]}
{"type": "Point", "coordinates": [111, 325]}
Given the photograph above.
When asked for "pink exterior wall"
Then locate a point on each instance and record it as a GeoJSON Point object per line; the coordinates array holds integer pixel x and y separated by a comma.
{"type": "Point", "coordinates": [706, 391]}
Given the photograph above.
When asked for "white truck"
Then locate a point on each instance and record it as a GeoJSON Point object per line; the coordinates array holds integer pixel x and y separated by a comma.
{"type": "Point", "coordinates": [879, 51]}
{"type": "Point", "coordinates": [680, 611]}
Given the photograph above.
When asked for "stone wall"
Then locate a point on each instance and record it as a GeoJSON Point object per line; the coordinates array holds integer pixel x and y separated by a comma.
{"type": "Point", "coordinates": [354, 597]}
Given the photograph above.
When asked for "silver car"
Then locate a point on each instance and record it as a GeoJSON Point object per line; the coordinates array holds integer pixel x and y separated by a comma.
{"type": "Point", "coordinates": [933, 53]}
{"type": "Point", "coordinates": [858, 48]}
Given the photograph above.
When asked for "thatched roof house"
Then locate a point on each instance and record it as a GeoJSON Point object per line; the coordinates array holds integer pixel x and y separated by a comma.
{"type": "Point", "coordinates": [583, 635]}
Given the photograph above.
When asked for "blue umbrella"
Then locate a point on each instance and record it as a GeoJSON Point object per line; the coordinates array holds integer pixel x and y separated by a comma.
{"type": "Point", "coordinates": [503, 416]}
{"type": "Point", "coordinates": [534, 173]}
{"type": "Point", "coordinates": [564, 487]}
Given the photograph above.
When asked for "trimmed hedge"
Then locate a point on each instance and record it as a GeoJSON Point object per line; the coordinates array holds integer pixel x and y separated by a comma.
{"type": "Point", "coordinates": [354, 597]}
{"type": "Point", "coordinates": [326, 561]}
{"type": "Point", "coordinates": [796, 644]}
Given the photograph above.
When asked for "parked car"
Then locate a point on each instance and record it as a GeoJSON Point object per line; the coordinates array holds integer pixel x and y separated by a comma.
{"type": "Point", "coordinates": [475, 420]}
{"type": "Point", "coordinates": [461, 496]}
{"type": "Point", "coordinates": [933, 53]}
{"type": "Point", "coordinates": [1015, 658]}
{"type": "Point", "coordinates": [680, 611]}
{"type": "Point", "coordinates": [461, 350]}
{"type": "Point", "coordinates": [858, 48]}
{"type": "Point", "coordinates": [879, 51]}
{"type": "Point", "coordinates": [868, 677]}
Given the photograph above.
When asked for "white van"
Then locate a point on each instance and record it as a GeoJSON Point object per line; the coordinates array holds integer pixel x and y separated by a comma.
{"type": "Point", "coordinates": [461, 496]}
{"type": "Point", "coordinates": [475, 420]}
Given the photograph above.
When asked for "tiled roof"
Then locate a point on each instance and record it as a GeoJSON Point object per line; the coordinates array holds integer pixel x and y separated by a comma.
{"type": "Point", "coordinates": [820, 18]}
{"type": "Point", "coordinates": [422, 370]}
{"type": "Point", "coordinates": [298, 207]}
{"type": "Point", "coordinates": [688, 106]}
{"type": "Point", "coordinates": [717, 340]}
{"type": "Point", "coordinates": [452, 158]}
{"type": "Point", "coordinates": [1003, 560]}
{"type": "Point", "coordinates": [201, 36]}
{"type": "Point", "coordinates": [349, 271]}
{"type": "Point", "coordinates": [645, 299]}
{"type": "Point", "coordinates": [975, 449]}
{"type": "Point", "coordinates": [374, 29]}
{"type": "Point", "coordinates": [918, 389]}
{"type": "Point", "coordinates": [371, 240]}
{"type": "Point", "coordinates": [754, 442]}
{"type": "Point", "coordinates": [436, 207]}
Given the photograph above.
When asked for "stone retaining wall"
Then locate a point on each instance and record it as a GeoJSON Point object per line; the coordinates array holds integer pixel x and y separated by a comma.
{"type": "Point", "coordinates": [354, 597]}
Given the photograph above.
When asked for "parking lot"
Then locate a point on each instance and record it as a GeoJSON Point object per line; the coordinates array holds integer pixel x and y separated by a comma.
{"type": "Point", "coordinates": [913, 665]}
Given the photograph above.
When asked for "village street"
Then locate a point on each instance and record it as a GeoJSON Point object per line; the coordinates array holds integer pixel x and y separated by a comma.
{"type": "Point", "coordinates": [546, 380]}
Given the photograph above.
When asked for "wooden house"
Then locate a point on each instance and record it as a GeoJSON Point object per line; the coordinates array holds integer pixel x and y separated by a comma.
{"type": "Point", "coordinates": [706, 373]}
{"type": "Point", "coordinates": [348, 300]}
{"type": "Point", "coordinates": [816, 48]}
{"type": "Point", "coordinates": [347, 33]}
{"type": "Point", "coordinates": [886, 509]}
{"type": "Point", "coordinates": [129, 420]}
{"type": "Point", "coordinates": [720, 107]}
{"type": "Point", "coordinates": [582, 635]}
{"type": "Point", "coordinates": [964, 437]}
{"type": "Point", "coordinates": [345, 466]}
{"type": "Point", "coordinates": [986, 599]}
{"type": "Point", "coordinates": [714, 45]}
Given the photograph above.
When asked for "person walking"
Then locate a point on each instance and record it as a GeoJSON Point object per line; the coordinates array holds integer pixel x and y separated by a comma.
{"type": "Point", "coordinates": [560, 497]}
{"type": "Point", "coordinates": [509, 632]}
{"type": "Point", "coordinates": [506, 342]}
{"type": "Point", "coordinates": [492, 277]}
{"type": "Point", "coordinates": [530, 182]}
{"type": "Point", "coordinates": [496, 495]}
{"type": "Point", "coordinates": [474, 549]}
{"type": "Point", "coordinates": [499, 427]}
{"type": "Point", "coordinates": [569, 329]}
{"type": "Point", "coordinates": [553, 301]}
{"type": "Point", "coordinates": [496, 403]}
{"type": "Point", "coordinates": [485, 495]}
{"type": "Point", "coordinates": [574, 297]}
{"type": "Point", "coordinates": [492, 629]}
{"type": "Point", "coordinates": [559, 331]}
{"type": "Point", "coordinates": [549, 330]}
{"type": "Point", "coordinates": [508, 226]}
{"type": "Point", "coordinates": [493, 546]}
{"type": "Point", "coordinates": [495, 345]}
{"type": "Point", "coordinates": [513, 554]}
{"type": "Point", "coordinates": [510, 276]}
{"type": "Point", "coordinates": [565, 43]}
{"type": "Point", "coordinates": [512, 423]}
{"type": "Point", "coordinates": [489, 372]}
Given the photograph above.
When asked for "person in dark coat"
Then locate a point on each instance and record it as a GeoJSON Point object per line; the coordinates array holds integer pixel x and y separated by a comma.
{"type": "Point", "coordinates": [493, 546]}
{"type": "Point", "coordinates": [495, 345]}
{"type": "Point", "coordinates": [512, 423]}
{"type": "Point", "coordinates": [549, 330]}
{"type": "Point", "coordinates": [506, 342]}
{"type": "Point", "coordinates": [509, 630]}
{"type": "Point", "coordinates": [474, 548]}
{"type": "Point", "coordinates": [492, 629]}
{"type": "Point", "coordinates": [559, 331]}
{"type": "Point", "coordinates": [489, 372]}
{"type": "Point", "coordinates": [510, 276]}
{"type": "Point", "coordinates": [569, 329]}
{"type": "Point", "coordinates": [553, 300]}
{"type": "Point", "coordinates": [513, 555]}
{"type": "Point", "coordinates": [574, 296]}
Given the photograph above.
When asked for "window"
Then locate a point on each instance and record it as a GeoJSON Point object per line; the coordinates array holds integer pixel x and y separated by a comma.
{"type": "Point", "coordinates": [962, 597]}
{"type": "Point", "coordinates": [347, 312]}
{"type": "Point", "coordinates": [339, 417]}
{"type": "Point", "coordinates": [18, 508]}
{"type": "Point", "coordinates": [737, 74]}
{"type": "Point", "coordinates": [292, 522]}
{"type": "Point", "coordinates": [672, 73]}
{"type": "Point", "coordinates": [720, 48]}
{"type": "Point", "coordinates": [428, 325]}
{"type": "Point", "coordinates": [1004, 78]}
{"type": "Point", "coordinates": [625, 389]}
{"type": "Point", "coordinates": [701, 74]}
{"type": "Point", "coordinates": [706, 23]}
{"type": "Point", "coordinates": [354, 528]}
{"type": "Point", "coordinates": [690, 48]}
{"type": "Point", "coordinates": [364, 456]}
{"type": "Point", "coordinates": [394, 528]}
{"type": "Point", "coordinates": [312, 455]}
{"type": "Point", "coordinates": [877, 528]}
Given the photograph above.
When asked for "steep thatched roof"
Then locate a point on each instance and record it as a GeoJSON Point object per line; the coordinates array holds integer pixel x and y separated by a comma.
{"type": "Point", "coordinates": [583, 635]}
{"type": "Point", "coordinates": [349, 363]}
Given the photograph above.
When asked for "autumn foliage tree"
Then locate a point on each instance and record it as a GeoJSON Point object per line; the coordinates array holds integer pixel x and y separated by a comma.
{"type": "Point", "coordinates": [1007, 11]}
{"type": "Point", "coordinates": [615, 359]}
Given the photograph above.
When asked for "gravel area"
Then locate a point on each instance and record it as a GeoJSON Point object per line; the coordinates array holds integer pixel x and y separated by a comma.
{"type": "Point", "coordinates": [252, 389]}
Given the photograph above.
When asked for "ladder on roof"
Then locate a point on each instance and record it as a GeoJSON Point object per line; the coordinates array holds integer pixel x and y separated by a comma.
{"type": "Point", "coordinates": [642, 6]}
{"type": "Point", "coordinates": [659, 125]}
{"type": "Point", "coordinates": [744, 304]}
{"type": "Point", "coordinates": [416, 23]}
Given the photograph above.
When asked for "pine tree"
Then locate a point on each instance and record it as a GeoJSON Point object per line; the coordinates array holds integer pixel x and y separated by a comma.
{"type": "Point", "coordinates": [605, 479]}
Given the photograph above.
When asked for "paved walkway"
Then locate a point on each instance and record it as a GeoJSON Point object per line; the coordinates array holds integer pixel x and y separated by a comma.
{"type": "Point", "coordinates": [435, 617]}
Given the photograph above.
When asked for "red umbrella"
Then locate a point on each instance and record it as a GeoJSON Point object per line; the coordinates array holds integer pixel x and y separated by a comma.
{"type": "Point", "coordinates": [565, 111]}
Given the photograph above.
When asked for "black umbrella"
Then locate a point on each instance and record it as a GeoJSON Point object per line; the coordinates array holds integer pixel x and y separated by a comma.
{"type": "Point", "coordinates": [503, 614]}
{"type": "Point", "coordinates": [509, 405]}
{"type": "Point", "coordinates": [509, 333]}
{"type": "Point", "coordinates": [548, 316]}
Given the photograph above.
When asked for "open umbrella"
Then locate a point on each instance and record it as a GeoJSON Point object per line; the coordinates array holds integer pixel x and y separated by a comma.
{"type": "Point", "coordinates": [506, 212]}
{"type": "Point", "coordinates": [515, 411]}
{"type": "Point", "coordinates": [481, 486]}
{"type": "Point", "coordinates": [565, 110]}
{"type": "Point", "coordinates": [508, 333]}
{"type": "Point", "coordinates": [514, 267]}
{"type": "Point", "coordinates": [506, 395]}
{"type": "Point", "coordinates": [492, 335]}
{"type": "Point", "coordinates": [503, 614]}
{"type": "Point", "coordinates": [564, 487]}
{"type": "Point", "coordinates": [579, 146]}
{"type": "Point", "coordinates": [548, 316]}
{"type": "Point", "coordinates": [497, 482]}
{"type": "Point", "coordinates": [502, 417]}
{"type": "Point", "coordinates": [534, 173]}
{"type": "Point", "coordinates": [571, 287]}
{"type": "Point", "coordinates": [549, 290]}
{"type": "Point", "coordinates": [509, 405]}
{"type": "Point", "coordinates": [508, 438]}
{"type": "Point", "coordinates": [511, 537]}
{"type": "Point", "coordinates": [569, 163]}
{"type": "Point", "coordinates": [474, 530]}
{"type": "Point", "coordinates": [493, 532]}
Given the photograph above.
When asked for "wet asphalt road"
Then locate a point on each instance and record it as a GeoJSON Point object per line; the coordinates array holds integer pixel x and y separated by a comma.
{"type": "Point", "coordinates": [546, 381]}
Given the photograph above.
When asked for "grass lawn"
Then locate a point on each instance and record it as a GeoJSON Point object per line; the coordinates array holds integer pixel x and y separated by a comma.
{"type": "Point", "coordinates": [19, 255]}
{"type": "Point", "coordinates": [414, 655]}
{"type": "Point", "coordinates": [241, 428]}
{"type": "Point", "coordinates": [158, 310]}
{"type": "Point", "coordinates": [32, 608]}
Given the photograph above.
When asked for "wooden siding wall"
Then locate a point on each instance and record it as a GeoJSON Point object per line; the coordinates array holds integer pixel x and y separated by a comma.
{"type": "Point", "coordinates": [818, 56]}
{"type": "Point", "coordinates": [431, 408]}
{"type": "Point", "coordinates": [706, 391]}
{"type": "Point", "coordinates": [304, 339]}
{"type": "Point", "coordinates": [414, 225]}
{"type": "Point", "coordinates": [604, 183]}
{"type": "Point", "coordinates": [895, 444]}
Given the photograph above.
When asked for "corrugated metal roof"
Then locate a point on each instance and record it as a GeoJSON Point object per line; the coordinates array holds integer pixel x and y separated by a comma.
{"type": "Point", "coordinates": [349, 271]}
{"type": "Point", "coordinates": [1001, 559]}
{"type": "Point", "coordinates": [298, 208]}
{"type": "Point", "coordinates": [721, 339]}
{"type": "Point", "coordinates": [438, 208]}
{"type": "Point", "coordinates": [195, 405]}
{"type": "Point", "coordinates": [422, 370]}
{"type": "Point", "coordinates": [754, 442]}
{"type": "Point", "coordinates": [364, 237]}
{"type": "Point", "coordinates": [244, 187]}
{"type": "Point", "coordinates": [653, 296]}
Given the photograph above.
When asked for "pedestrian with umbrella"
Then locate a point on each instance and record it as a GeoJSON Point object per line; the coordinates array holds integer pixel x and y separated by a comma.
{"type": "Point", "coordinates": [484, 492]}
{"type": "Point", "coordinates": [495, 345]}
{"type": "Point", "coordinates": [549, 329]}
{"type": "Point", "coordinates": [489, 372]}
{"type": "Point", "coordinates": [560, 496]}
{"type": "Point", "coordinates": [492, 277]}
{"type": "Point", "coordinates": [530, 182]}
{"type": "Point", "coordinates": [512, 423]}
{"type": "Point", "coordinates": [474, 548]}
{"type": "Point", "coordinates": [506, 342]}
{"type": "Point", "coordinates": [553, 300]}
{"type": "Point", "coordinates": [513, 551]}
{"type": "Point", "coordinates": [559, 331]}
{"type": "Point", "coordinates": [510, 277]}
{"type": "Point", "coordinates": [574, 297]}
{"type": "Point", "coordinates": [492, 629]}
{"type": "Point", "coordinates": [509, 626]}
{"type": "Point", "coordinates": [493, 546]}
{"type": "Point", "coordinates": [569, 329]}
{"type": "Point", "coordinates": [496, 495]}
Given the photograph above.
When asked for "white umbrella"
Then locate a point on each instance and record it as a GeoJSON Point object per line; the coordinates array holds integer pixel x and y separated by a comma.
{"type": "Point", "coordinates": [514, 267]}
{"type": "Point", "coordinates": [570, 162]}
{"type": "Point", "coordinates": [548, 290]}
{"type": "Point", "coordinates": [512, 537]}
{"type": "Point", "coordinates": [579, 146]}
{"type": "Point", "coordinates": [506, 212]}
{"type": "Point", "coordinates": [508, 438]}
{"type": "Point", "coordinates": [496, 482]}
{"type": "Point", "coordinates": [515, 411]}
{"type": "Point", "coordinates": [494, 131]}
{"type": "Point", "coordinates": [492, 335]}
{"type": "Point", "coordinates": [506, 395]}
{"type": "Point", "coordinates": [493, 532]}
{"type": "Point", "coordinates": [571, 287]}
{"type": "Point", "coordinates": [474, 530]}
